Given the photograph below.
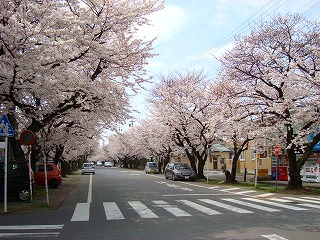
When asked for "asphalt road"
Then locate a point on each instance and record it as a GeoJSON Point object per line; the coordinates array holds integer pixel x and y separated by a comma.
{"type": "Point", "coordinates": [124, 204]}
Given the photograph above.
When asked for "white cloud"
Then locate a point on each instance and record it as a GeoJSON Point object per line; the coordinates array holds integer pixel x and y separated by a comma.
{"type": "Point", "coordinates": [155, 65]}
{"type": "Point", "coordinates": [165, 23]}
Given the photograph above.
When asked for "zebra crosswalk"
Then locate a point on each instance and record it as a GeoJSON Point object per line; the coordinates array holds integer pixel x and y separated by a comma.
{"type": "Point", "coordinates": [188, 208]}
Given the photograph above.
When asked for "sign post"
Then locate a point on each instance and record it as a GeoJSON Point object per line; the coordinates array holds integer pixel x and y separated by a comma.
{"type": "Point", "coordinates": [277, 152]}
{"type": "Point", "coordinates": [27, 138]}
{"type": "Point", "coordinates": [208, 160]}
{"type": "Point", "coordinates": [6, 131]}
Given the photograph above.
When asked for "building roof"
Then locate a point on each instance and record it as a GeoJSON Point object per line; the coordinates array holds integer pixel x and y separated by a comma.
{"type": "Point", "coordinates": [219, 148]}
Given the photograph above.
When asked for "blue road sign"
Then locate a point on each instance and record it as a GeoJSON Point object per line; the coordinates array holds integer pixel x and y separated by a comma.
{"type": "Point", "coordinates": [6, 129]}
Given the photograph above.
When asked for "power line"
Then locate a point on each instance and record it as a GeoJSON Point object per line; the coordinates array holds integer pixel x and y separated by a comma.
{"type": "Point", "coordinates": [218, 46]}
{"type": "Point", "coordinates": [230, 35]}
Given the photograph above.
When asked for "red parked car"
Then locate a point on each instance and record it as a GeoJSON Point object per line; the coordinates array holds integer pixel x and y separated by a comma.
{"type": "Point", "coordinates": [54, 178]}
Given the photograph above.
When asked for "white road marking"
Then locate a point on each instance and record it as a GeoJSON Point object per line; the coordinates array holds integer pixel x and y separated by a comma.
{"type": "Point", "coordinates": [195, 194]}
{"type": "Point", "coordinates": [280, 200]}
{"type": "Point", "coordinates": [30, 235]}
{"type": "Point", "coordinates": [89, 198]}
{"type": "Point", "coordinates": [81, 212]}
{"type": "Point", "coordinates": [226, 206]}
{"type": "Point", "coordinates": [112, 211]}
{"type": "Point", "coordinates": [312, 198]}
{"type": "Point", "coordinates": [200, 208]}
{"type": "Point", "coordinates": [29, 227]}
{"type": "Point", "coordinates": [229, 189]}
{"type": "Point", "coordinates": [264, 195]}
{"type": "Point", "coordinates": [309, 205]}
{"type": "Point", "coordinates": [142, 210]}
{"type": "Point", "coordinates": [267, 209]}
{"type": "Point", "coordinates": [303, 200]}
{"type": "Point", "coordinates": [244, 192]}
{"type": "Point", "coordinates": [275, 204]}
{"type": "Point", "coordinates": [274, 237]}
{"type": "Point", "coordinates": [196, 185]}
{"type": "Point", "coordinates": [172, 209]}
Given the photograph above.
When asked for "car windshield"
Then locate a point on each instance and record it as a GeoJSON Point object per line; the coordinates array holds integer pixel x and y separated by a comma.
{"type": "Point", "coordinates": [86, 165]}
{"type": "Point", "coordinates": [152, 165]}
{"type": "Point", "coordinates": [182, 166]}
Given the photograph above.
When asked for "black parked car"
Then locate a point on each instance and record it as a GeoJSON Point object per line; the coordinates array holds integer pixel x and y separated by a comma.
{"type": "Point", "coordinates": [179, 171]}
{"type": "Point", "coordinates": [18, 183]}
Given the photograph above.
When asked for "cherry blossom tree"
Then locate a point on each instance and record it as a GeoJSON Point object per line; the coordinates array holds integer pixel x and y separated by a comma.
{"type": "Point", "coordinates": [154, 139]}
{"type": "Point", "coordinates": [277, 67]}
{"type": "Point", "coordinates": [182, 103]}
{"type": "Point", "coordinates": [64, 56]}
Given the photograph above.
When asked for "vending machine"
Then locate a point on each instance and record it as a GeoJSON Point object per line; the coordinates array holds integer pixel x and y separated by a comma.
{"type": "Point", "coordinates": [310, 170]}
{"type": "Point", "coordinates": [281, 163]}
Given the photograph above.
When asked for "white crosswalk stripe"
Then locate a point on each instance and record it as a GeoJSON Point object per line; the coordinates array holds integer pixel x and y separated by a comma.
{"type": "Point", "coordinates": [180, 209]}
{"type": "Point", "coordinates": [312, 198]}
{"type": "Point", "coordinates": [81, 213]}
{"type": "Point", "coordinates": [267, 209]}
{"type": "Point", "coordinates": [303, 199]}
{"type": "Point", "coordinates": [280, 200]}
{"type": "Point", "coordinates": [226, 206]}
{"type": "Point", "coordinates": [309, 205]}
{"type": "Point", "coordinates": [199, 207]}
{"type": "Point", "coordinates": [19, 231]}
{"type": "Point", "coordinates": [142, 210]}
{"type": "Point", "coordinates": [275, 204]}
{"type": "Point", "coordinates": [112, 211]}
{"type": "Point", "coordinates": [172, 209]}
{"type": "Point", "coordinates": [274, 237]}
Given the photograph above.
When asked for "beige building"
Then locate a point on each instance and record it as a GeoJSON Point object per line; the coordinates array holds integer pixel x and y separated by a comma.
{"type": "Point", "coordinates": [221, 155]}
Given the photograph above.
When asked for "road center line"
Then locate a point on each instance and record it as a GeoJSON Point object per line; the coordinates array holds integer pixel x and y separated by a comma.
{"type": "Point", "coordinates": [89, 199]}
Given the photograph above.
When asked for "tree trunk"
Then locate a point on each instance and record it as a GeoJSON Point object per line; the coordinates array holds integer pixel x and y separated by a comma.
{"type": "Point", "coordinates": [58, 154]}
{"type": "Point", "coordinates": [234, 169]}
{"type": "Point", "coordinates": [200, 170]}
{"type": "Point", "coordinates": [295, 181]}
{"type": "Point", "coordinates": [191, 158]}
{"type": "Point", "coordinates": [64, 169]}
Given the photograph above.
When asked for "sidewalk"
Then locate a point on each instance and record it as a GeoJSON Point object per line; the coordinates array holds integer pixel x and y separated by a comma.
{"type": "Point", "coordinates": [216, 174]}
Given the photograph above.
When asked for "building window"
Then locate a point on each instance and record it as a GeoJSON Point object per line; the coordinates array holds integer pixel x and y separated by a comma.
{"type": "Point", "coordinates": [243, 156]}
{"type": "Point", "coordinates": [253, 155]}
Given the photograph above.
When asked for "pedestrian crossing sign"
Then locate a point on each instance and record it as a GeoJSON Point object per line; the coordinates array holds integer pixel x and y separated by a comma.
{"type": "Point", "coordinates": [6, 129]}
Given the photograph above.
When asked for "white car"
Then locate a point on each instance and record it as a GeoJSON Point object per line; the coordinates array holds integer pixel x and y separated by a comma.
{"type": "Point", "coordinates": [88, 168]}
{"type": "Point", "coordinates": [99, 163]}
{"type": "Point", "coordinates": [108, 164]}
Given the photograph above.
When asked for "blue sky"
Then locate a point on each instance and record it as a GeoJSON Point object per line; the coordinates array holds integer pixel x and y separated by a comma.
{"type": "Point", "coordinates": [191, 32]}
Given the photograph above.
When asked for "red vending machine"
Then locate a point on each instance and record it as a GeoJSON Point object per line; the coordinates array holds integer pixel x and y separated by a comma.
{"type": "Point", "coordinates": [280, 162]}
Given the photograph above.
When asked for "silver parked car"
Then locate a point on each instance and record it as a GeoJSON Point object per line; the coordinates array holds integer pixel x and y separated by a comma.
{"type": "Point", "coordinates": [108, 164]}
{"type": "Point", "coordinates": [151, 167]}
{"type": "Point", "coordinates": [88, 168]}
{"type": "Point", "coordinates": [179, 171]}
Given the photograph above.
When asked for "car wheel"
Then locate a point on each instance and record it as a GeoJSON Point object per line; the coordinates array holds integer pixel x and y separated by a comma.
{"type": "Point", "coordinates": [24, 195]}
{"type": "Point", "coordinates": [165, 175]}
{"type": "Point", "coordinates": [54, 183]}
{"type": "Point", "coordinates": [173, 177]}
